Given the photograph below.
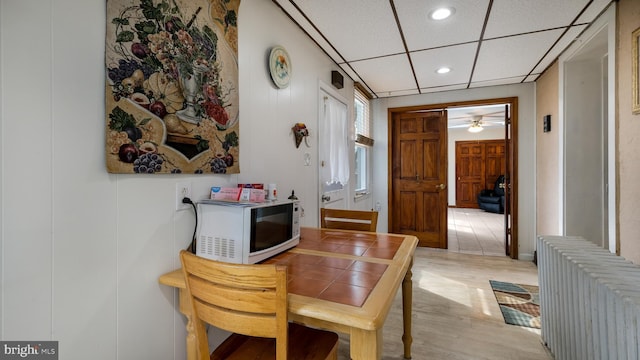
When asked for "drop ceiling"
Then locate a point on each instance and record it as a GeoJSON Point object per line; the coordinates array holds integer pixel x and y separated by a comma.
{"type": "Point", "coordinates": [392, 48]}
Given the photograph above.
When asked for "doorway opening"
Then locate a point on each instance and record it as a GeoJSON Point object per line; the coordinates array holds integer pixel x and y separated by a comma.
{"type": "Point", "coordinates": [400, 146]}
{"type": "Point", "coordinates": [477, 161]}
{"type": "Point", "coordinates": [587, 125]}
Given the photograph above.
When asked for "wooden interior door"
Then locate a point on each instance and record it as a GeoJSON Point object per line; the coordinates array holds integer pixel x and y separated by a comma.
{"type": "Point", "coordinates": [495, 161]}
{"type": "Point", "coordinates": [478, 165]}
{"type": "Point", "coordinates": [470, 173]}
{"type": "Point", "coordinates": [419, 176]}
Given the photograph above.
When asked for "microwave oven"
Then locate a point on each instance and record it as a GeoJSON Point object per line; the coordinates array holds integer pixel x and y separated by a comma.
{"type": "Point", "coordinates": [246, 233]}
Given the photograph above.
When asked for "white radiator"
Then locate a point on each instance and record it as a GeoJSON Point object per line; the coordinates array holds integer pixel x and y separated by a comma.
{"type": "Point", "coordinates": [589, 300]}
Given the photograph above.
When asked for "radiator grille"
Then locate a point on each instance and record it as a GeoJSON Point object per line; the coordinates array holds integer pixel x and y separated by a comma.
{"type": "Point", "coordinates": [589, 300]}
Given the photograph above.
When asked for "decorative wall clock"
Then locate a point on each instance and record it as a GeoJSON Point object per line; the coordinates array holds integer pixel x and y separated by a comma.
{"type": "Point", "coordinates": [280, 67]}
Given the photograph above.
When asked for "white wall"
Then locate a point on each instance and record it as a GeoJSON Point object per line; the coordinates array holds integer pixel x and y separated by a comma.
{"type": "Point", "coordinates": [526, 150]}
{"type": "Point", "coordinates": [81, 249]}
{"type": "Point", "coordinates": [627, 147]}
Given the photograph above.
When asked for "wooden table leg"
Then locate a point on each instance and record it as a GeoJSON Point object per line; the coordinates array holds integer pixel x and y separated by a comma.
{"type": "Point", "coordinates": [365, 344]}
{"type": "Point", "coordinates": [185, 309]}
{"type": "Point", "coordinates": [407, 304]}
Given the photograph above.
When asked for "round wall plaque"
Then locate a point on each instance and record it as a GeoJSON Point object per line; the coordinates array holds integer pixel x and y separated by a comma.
{"type": "Point", "coordinates": [280, 67]}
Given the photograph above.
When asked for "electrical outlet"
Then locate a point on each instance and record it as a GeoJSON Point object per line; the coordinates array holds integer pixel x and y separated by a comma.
{"type": "Point", "coordinates": [183, 190]}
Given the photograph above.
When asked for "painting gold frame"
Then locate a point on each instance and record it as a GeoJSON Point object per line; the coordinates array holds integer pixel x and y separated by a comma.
{"type": "Point", "coordinates": [636, 63]}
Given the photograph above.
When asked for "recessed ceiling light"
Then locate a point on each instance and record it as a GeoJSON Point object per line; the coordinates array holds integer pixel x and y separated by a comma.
{"type": "Point", "coordinates": [443, 70]}
{"type": "Point", "coordinates": [441, 13]}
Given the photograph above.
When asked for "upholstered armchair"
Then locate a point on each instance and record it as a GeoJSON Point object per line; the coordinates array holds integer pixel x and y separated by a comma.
{"type": "Point", "coordinates": [492, 200]}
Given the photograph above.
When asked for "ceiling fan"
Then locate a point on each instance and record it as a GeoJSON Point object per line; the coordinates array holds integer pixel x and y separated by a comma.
{"type": "Point", "coordinates": [476, 122]}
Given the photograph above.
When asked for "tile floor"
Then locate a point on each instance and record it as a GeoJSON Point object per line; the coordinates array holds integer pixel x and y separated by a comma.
{"type": "Point", "coordinates": [475, 231]}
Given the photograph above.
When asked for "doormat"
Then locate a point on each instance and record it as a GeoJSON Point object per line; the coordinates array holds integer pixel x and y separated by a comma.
{"type": "Point", "coordinates": [520, 304]}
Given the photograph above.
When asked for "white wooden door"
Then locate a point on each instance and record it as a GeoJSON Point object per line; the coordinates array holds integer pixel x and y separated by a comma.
{"type": "Point", "coordinates": [333, 150]}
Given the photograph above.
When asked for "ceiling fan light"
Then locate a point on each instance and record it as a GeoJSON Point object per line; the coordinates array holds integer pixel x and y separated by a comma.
{"type": "Point", "coordinates": [441, 13]}
{"type": "Point", "coordinates": [475, 128]}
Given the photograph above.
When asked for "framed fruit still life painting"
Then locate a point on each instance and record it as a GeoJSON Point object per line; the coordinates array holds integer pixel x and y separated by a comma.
{"type": "Point", "coordinates": [172, 86]}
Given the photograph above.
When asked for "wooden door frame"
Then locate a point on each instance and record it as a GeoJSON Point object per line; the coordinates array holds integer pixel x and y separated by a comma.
{"type": "Point", "coordinates": [513, 161]}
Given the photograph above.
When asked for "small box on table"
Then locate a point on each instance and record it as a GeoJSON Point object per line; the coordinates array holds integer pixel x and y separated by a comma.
{"type": "Point", "coordinates": [225, 193]}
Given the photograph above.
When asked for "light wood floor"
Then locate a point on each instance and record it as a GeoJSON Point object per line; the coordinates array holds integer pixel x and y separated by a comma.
{"type": "Point", "coordinates": [475, 231]}
{"type": "Point", "coordinates": [455, 314]}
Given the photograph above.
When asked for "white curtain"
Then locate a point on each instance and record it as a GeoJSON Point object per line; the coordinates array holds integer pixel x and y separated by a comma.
{"type": "Point", "coordinates": [336, 153]}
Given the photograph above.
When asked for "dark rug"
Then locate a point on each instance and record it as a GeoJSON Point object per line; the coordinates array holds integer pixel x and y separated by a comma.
{"type": "Point", "coordinates": [520, 304]}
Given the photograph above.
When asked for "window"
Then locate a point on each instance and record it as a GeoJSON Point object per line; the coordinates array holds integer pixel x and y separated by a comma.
{"type": "Point", "coordinates": [364, 143]}
{"type": "Point", "coordinates": [361, 169]}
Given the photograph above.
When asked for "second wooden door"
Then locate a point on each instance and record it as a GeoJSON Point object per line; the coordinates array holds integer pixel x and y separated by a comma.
{"type": "Point", "coordinates": [478, 165]}
{"type": "Point", "coordinates": [419, 176]}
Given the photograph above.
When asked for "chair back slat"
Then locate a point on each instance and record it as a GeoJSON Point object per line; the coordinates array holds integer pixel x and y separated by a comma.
{"type": "Point", "coordinates": [244, 299]}
{"type": "Point", "coordinates": [237, 322]}
{"type": "Point", "coordinates": [259, 301]}
{"type": "Point", "coordinates": [348, 219]}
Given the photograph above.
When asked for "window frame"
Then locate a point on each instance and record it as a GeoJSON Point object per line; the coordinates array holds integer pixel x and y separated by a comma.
{"type": "Point", "coordinates": [363, 145]}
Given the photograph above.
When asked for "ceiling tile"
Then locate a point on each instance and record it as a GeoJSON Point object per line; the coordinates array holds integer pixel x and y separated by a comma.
{"type": "Point", "coordinates": [504, 81]}
{"type": "Point", "coordinates": [458, 58]}
{"type": "Point", "coordinates": [512, 56]}
{"type": "Point", "coordinates": [594, 46]}
{"type": "Point", "coordinates": [532, 77]}
{"type": "Point", "coordinates": [510, 17]}
{"type": "Point", "coordinates": [422, 33]}
{"type": "Point", "coordinates": [522, 38]}
{"type": "Point", "coordinates": [559, 47]}
{"type": "Point", "coordinates": [309, 28]}
{"type": "Point", "coordinates": [358, 29]}
{"type": "Point", "coordinates": [349, 71]}
{"type": "Point", "coordinates": [397, 93]}
{"type": "Point", "coordinates": [596, 7]}
{"type": "Point", "coordinates": [391, 73]}
{"type": "Point", "coordinates": [443, 88]}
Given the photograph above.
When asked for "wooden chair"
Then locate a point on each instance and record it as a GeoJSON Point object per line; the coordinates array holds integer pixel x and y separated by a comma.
{"type": "Point", "coordinates": [348, 219]}
{"type": "Point", "coordinates": [251, 302]}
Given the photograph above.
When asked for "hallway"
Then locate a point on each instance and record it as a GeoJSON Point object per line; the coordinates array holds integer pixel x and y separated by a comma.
{"type": "Point", "coordinates": [476, 232]}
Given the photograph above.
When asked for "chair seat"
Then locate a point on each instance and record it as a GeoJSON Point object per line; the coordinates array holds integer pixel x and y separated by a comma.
{"type": "Point", "coordinates": [490, 199]}
{"type": "Point", "coordinates": [304, 344]}
{"type": "Point", "coordinates": [348, 219]}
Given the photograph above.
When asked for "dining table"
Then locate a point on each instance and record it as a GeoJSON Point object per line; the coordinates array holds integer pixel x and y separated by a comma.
{"type": "Point", "coordinates": [339, 280]}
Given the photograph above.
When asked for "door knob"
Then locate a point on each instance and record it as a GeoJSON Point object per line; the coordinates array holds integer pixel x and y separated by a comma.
{"type": "Point", "coordinates": [441, 186]}
{"type": "Point", "coordinates": [326, 197]}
